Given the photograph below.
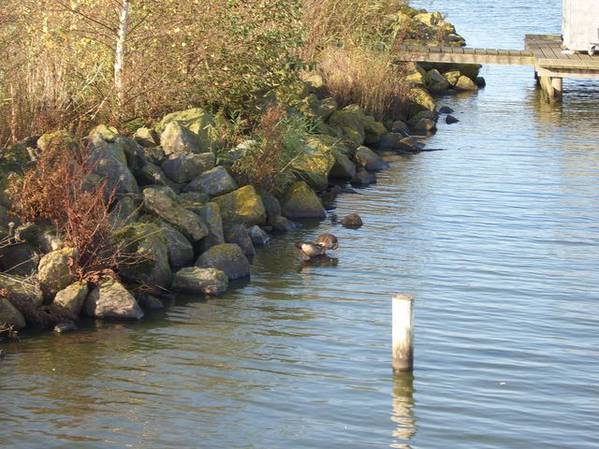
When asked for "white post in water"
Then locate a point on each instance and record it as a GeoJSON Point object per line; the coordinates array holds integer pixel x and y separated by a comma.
{"type": "Point", "coordinates": [403, 349]}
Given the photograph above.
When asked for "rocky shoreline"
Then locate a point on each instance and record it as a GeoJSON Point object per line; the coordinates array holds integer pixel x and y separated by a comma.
{"type": "Point", "coordinates": [189, 223]}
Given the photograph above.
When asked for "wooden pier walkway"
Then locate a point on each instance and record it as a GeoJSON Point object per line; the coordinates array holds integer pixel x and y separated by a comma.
{"type": "Point", "coordinates": [542, 52]}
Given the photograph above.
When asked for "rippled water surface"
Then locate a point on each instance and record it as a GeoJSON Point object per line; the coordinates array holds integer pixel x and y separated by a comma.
{"type": "Point", "coordinates": [498, 239]}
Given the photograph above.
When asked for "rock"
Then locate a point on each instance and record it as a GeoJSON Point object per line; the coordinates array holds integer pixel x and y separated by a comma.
{"type": "Point", "coordinates": [465, 84]}
{"type": "Point", "coordinates": [193, 201]}
{"type": "Point", "coordinates": [446, 110]}
{"type": "Point", "coordinates": [180, 250]}
{"type": "Point", "coordinates": [452, 77]}
{"type": "Point", "coordinates": [480, 82]}
{"type": "Point", "coordinates": [203, 281]}
{"type": "Point", "coordinates": [281, 225]}
{"type": "Point", "coordinates": [301, 202]}
{"type": "Point", "coordinates": [326, 107]}
{"type": "Point", "coordinates": [21, 289]}
{"type": "Point", "coordinates": [149, 302]}
{"type": "Point", "coordinates": [228, 258]}
{"type": "Point", "coordinates": [214, 182]}
{"type": "Point", "coordinates": [425, 125]}
{"type": "Point", "coordinates": [398, 142]}
{"type": "Point", "coordinates": [258, 236]}
{"type": "Point", "coordinates": [314, 83]}
{"type": "Point", "coordinates": [436, 82]}
{"type": "Point", "coordinates": [63, 328]}
{"type": "Point", "coordinates": [271, 205]}
{"type": "Point", "coordinates": [416, 78]}
{"type": "Point", "coordinates": [363, 178]}
{"type": "Point", "coordinates": [183, 168]}
{"type": "Point", "coordinates": [155, 155]}
{"type": "Point", "coordinates": [352, 221]}
{"type": "Point", "coordinates": [54, 271]}
{"type": "Point", "coordinates": [243, 205]}
{"type": "Point", "coordinates": [176, 139]}
{"type": "Point", "coordinates": [109, 162]}
{"type": "Point", "coordinates": [210, 215]}
{"type": "Point", "coordinates": [450, 120]}
{"type": "Point", "coordinates": [429, 18]}
{"type": "Point", "coordinates": [72, 297]}
{"type": "Point", "coordinates": [373, 130]}
{"type": "Point", "coordinates": [147, 254]}
{"type": "Point", "coordinates": [19, 259]}
{"type": "Point", "coordinates": [125, 211]}
{"type": "Point", "coordinates": [316, 161]}
{"type": "Point", "coordinates": [420, 100]}
{"type": "Point", "coordinates": [103, 133]}
{"type": "Point", "coordinates": [10, 315]}
{"type": "Point", "coordinates": [370, 160]}
{"type": "Point", "coordinates": [146, 137]}
{"type": "Point", "coordinates": [239, 235]}
{"type": "Point", "coordinates": [350, 120]}
{"type": "Point", "coordinates": [42, 238]}
{"type": "Point", "coordinates": [60, 138]}
{"type": "Point", "coordinates": [109, 300]}
{"type": "Point", "coordinates": [343, 168]}
{"type": "Point", "coordinates": [160, 202]}
{"type": "Point", "coordinates": [400, 127]}
{"type": "Point", "coordinates": [199, 122]}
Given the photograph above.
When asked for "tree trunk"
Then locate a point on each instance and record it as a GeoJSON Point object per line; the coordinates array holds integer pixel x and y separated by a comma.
{"type": "Point", "coordinates": [119, 54]}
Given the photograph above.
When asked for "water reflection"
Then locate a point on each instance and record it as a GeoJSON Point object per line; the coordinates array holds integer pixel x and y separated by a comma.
{"type": "Point", "coordinates": [402, 413]}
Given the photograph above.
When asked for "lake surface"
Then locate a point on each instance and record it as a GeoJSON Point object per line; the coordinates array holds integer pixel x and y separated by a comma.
{"type": "Point", "coordinates": [498, 240]}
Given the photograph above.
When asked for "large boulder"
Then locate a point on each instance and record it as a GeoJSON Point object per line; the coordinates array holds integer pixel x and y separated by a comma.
{"type": "Point", "coordinates": [370, 160]}
{"type": "Point", "coordinates": [196, 120]}
{"type": "Point", "coordinates": [436, 82]}
{"type": "Point", "coordinates": [343, 168]}
{"type": "Point", "coordinates": [125, 211]}
{"type": "Point", "coordinates": [109, 162]}
{"type": "Point", "coordinates": [301, 202]}
{"type": "Point", "coordinates": [60, 138]}
{"type": "Point", "coordinates": [54, 271]}
{"type": "Point", "coordinates": [243, 205]}
{"type": "Point", "coordinates": [420, 100]}
{"type": "Point", "coordinates": [18, 258]}
{"type": "Point", "coordinates": [147, 261]}
{"type": "Point", "coordinates": [259, 236]}
{"type": "Point", "coordinates": [465, 84]}
{"type": "Point", "coordinates": [180, 250]}
{"type": "Point", "coordinates": [10, 316]}
{"type": "Point", "coordinates": [21, 289]}
{"type": "Point", "coordinates": [163, 203]}
{"type": "Point", "coordinates": [228, 258]}
{"type": "Point", "coordinates": [272, 206]}
{"type": "Point", "coordinates": [146, 137]}
{"type": "Point", "coordinates": [316, 161]}
{"type": "Point", "coordinates": [350, 120]}
{"type": "Point", "coordinates": [239, 235]}
{"type": "Point", "coordinates": [210, 215]}
{"type": "Point", "coordinates": [373, 130]}
{"type": "Point", "coordinates": [72, 297]}
{"type": "Point", "coordinates": [176, 139]}
{"type": "Point", "coordinates": [203, 281]}
{"type": "Point", "coordinates": [183, 168]}
{"type": "Point", "coordinates": [216, 181]}
{"type": "Point", "coordinates": [109, 300]}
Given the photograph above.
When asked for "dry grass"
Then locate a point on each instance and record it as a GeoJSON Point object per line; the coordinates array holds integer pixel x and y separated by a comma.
{"type": "Point", "coordinates": [356, 75]}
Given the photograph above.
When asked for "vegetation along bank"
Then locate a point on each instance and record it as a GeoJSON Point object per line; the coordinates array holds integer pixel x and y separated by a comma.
{"type": "Point", "coordinates": [109, 205]}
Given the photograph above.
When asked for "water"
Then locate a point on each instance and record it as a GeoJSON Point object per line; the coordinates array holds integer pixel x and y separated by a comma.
{"type": "Point", "coordinates": [497, 238]}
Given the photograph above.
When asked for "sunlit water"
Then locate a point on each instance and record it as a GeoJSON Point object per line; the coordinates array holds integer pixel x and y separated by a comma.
{"type": "Point", "coordinates": [498, 239]}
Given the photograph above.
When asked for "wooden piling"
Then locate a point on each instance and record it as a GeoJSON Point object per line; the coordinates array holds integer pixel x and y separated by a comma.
{"type": "Point", "coordinates": [402, 334]}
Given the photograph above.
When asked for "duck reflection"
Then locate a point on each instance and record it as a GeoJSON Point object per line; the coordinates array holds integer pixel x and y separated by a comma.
{"type": "Point", "coordinates": [402, 414]}
{"type": "Point", "coordinates": [324, 261]}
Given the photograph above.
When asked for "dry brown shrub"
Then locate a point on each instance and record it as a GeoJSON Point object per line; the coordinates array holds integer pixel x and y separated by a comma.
{"type": "Point", "coordinates": [56, 190]}
{"type": "Point", "coordinates": [370, 78]}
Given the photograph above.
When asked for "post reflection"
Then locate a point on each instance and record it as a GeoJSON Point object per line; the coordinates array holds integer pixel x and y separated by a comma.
{"type": "Point", "coordinates": [402, 413]}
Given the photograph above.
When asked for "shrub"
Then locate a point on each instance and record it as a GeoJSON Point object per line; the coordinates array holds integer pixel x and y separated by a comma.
{"type": "Point", "coordinates": [369, 78]}
{"type": "Point", "coordinates": [280, 141]}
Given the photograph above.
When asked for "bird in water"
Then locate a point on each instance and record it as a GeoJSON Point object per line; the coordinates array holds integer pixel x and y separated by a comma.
{"type": "Point", "coordinates": [327, 241]}
{"type": "Point", "coordinates": [318, 248]}
{"type": "Point", "coordinates": [310, 250]}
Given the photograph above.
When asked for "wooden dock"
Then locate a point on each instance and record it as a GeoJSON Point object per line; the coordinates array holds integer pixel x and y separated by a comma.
{"type": "Point", "coordinates": [542, 52]}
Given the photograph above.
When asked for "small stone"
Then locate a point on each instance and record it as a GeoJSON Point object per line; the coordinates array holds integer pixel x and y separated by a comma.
{"type": "Point", "coordinates": [63, 328]}
{"type": "Point", "coordinates": [446, 110]}
{"type": "Point", "coordinates": [480, 82]}
{"type": "Point", "coordinates": [258, 236]}
{"type": "Point", "coordinates": [149, 302]}
{"type": "Point", "coordinates": [450, 120]}
{"type": "Point", "coordinates": [363, 178]}
{"type": "Point", "coordinates": [352, 221]}
{"type": "Point", "coordinates": [369, 159]}
{"type": "Point", "coordinates": [195, 280]}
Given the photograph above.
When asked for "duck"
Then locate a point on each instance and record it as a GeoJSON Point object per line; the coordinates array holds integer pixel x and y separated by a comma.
{"type": "Point", "coordinates": [310, 250]}
{"type": "Point", "coordinates": [327, 241]}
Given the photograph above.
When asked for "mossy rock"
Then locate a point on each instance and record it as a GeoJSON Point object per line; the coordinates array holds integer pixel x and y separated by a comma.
{"type": "Point", "coordinates": [350, 120]}
{"type": "Point", "coordinates": [199, 122]}
{"type": "Point", "coordinates": [301, 201]}
{"type": "Point", "coordinates": [228, 258]}
{"type": "Point", "coordinates": [21, 289]}
{"type": "Point", "coordinates": [316, 161]}
{"type": "Point", "coordinates": [54, 271]}
{"type": "Point", "coordinates": [243, 205]}
{"type": "Point", "coordinates": [57, 138]}
{"type": "Point", "coordinates": [420, 100]}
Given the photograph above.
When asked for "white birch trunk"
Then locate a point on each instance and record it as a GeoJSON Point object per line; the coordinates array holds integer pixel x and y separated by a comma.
{"type": "Point", "coordinates": [119, 54]}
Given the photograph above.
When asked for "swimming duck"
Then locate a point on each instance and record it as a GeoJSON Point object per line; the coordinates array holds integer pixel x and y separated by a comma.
{"type": "Point", "coordinates": [310, 250]}
{"type": "Point", "coordinates": [327, 241]}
